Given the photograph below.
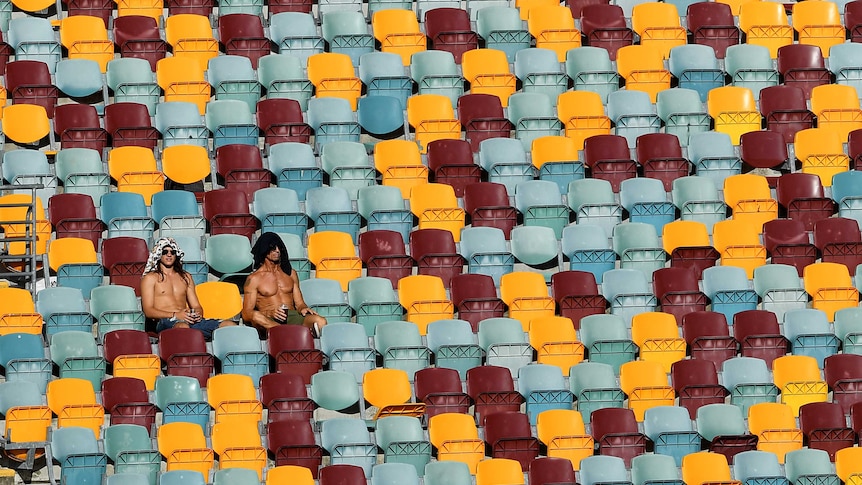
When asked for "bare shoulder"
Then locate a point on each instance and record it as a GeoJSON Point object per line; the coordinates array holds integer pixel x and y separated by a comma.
{"type": "Point", "coordinates": [252, 278]}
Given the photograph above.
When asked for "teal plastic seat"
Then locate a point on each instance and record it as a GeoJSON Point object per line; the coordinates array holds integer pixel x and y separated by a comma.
{"type": "Point", "coordinates": [346, 32]}
{"type": "Point", "coordinates": [588, 248]}
{"type": "Point", "coordinates": [720, 420]}
{"type": "Point", "coordinates": [599, 469]}
{"type": "Point", "coordinates": [435, 72]}
{"type": "Point", "coordinates": [33, 39]}
{"type": "Point", "coordinates": [328, 6]}
{"type": "Point", "coordinates": [505, 343]}
{"type": "Point", "coordinates": [591, 70]}
{"type": "Point", "coordinates": [127, 478]}
{"type": "Point", "coordinates": [544, 388]}
{"type": "Point", "coordinates": [144, 462]}
{"type": "Point", "coordinates": [671, 430]}
{"type": "Point", "coordinates": [63, 308]}
{"type": "Point", "coordinates": [177, 213]}
{"type": "Point", "coordinates": [81, 172]}
{"type": "Point", "coordinates": [348, 166]}
{"type": "Point", "coordinates": [251, 7]}
{"type": "Point", "coordinates": [120, 438]}
{"type": "Point", "coordinates": [181, 400]}
{"type": "Point", "coordinates": [592, 200]}
{"type": "Point", "coordinates": [749, 382]}
{"type": "Point", "coordinates": [404, 446]}
{"type": "Point", "coordinates": [779, 288]}
{"type": "Point", "coordinates": [728, 289]}
{"type": "Point", "coordinates": [638, 247]}
{"type": "Point", "coordinates": [541, 204]}
{"type": "Point", "coordinates": [847, 193]}
{"type": "Point", "coordinates": [696, 67]}
{"type": "Point", "coordinates": [236, 476]}
{"type": "Point", "coordinates": [540, 71]}
{"type": "Point", "coordinates": [533, 115]}
{"type": "Point", "coordinates": [401, 346]}
{"type": "Point", "coordinates": [594, 386]}
{"type": "Point", "coordinates": [76, 354]}
{"type": "Point", "coordinates": [388, 473]}
{"type": "Point", "coordinates": [486, 252]}
{"type": "Point", "coordinates": [383, 207]}
{"type": "Point", "coordinates": [228, 253]}
{"type": "Point", "coordinates": [682, 112]}
{"type": "Point", "coordinates": [607, 340]}
{"type": "Point", "coordinates": [454, 345]}
{"type": "Point", "coordinates": [647, 202]}
{"type": "Point", "coordinates": [278, 210]}
{"type": "Point", "coordinates": [505, 160]}
{"type": "Point", "coordinates": [332, 119]}
{"type": "Point", "coordinates": [335, 390]}
{"type": "Point", "coordinates": [77, 451]}
{"type": "Point", "coordinates": [633, 114]}
{"type": "Point", "coordinates": [627, 291]}
{"type": "Point", "coordinates": [348, 349]}
{"type": "Point", "coordinates": [295, 33]}
{"type": "Point", "coordinates": [502, 29]}
{"type": "Point", "coordinates": [327, 299]}
{"type": "Point", "coordinates": [282, 76]}
{"type": "Point", "coordinates": [19, 393]}
{"type": "Point", "coordinates": [23, 357]}
{"type": "Point", "coordinates": [231, 122]}
{"type": "Point", "coordinates": [180, 123]}
{"type": "Point", "coordinates": [374, 301]}
{"type": "Point", "coordinates": [383, 75]}
{"type": "Point", "coordinates": [240, 351]}
{"type": "Point", "coordinates": [848, 329]}
{"type": "Point", "coordinates": [294, 167]}
{"type": "Point", "coordinates": [78, 78]}
{"type": "Point", "coordinates": [808, 466]}
{"type": "Point", "coordinates": [132, 80]}
{"type": "Point", "coordinates": [809, 333]}
{"type": "Point", "coordinates": [845, 61]}
{"type": "Point", "coordinates": [697, 200]}
{"type": "Point", "coordinates": [125, 214]}
{"type": "Point", "coordinates": [116, 307]}
{"type": "Point", "coordinates": [447, 472]}
{"type": "Point", "coordinates": [348, 441]}
{"type": "Point", "coordinates": [713, 156]}
{"type": "Point", "coordinates": [233, 77]}
{"type": "Point", "coordinates": [182, 477]}
{"type": "Point", "coordinates": [27, 167]}
{"type": "Point", "coordinates": [653, 468]}
{"type": "Point", "coordinates": [750, 66]}
{"type": "Point", "coordinates": [757, 466]}
{"type": "Point", "coordinates": [380, 115]}
{"type": "Point", "coordinates": [535, 246]}
{"type": "Point", "coordinates": [330, 209]}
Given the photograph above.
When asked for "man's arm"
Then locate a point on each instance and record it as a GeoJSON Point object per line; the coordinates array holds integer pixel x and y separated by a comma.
{"type": "Point", "coordinates": [148, 299]}
{"type": "Point", "coordinates": [298, 303]}
{"type": "Point", "coordinates": [249, 303]}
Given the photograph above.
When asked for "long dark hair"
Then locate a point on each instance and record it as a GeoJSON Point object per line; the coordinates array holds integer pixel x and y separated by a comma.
{"type": "Point", "coordinates": [264, 244]}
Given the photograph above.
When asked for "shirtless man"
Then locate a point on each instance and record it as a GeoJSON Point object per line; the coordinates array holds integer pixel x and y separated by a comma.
{"type": "Point", "coordinates": [168, 292]}
{"type": "Point", "coordinates": [271, 296]}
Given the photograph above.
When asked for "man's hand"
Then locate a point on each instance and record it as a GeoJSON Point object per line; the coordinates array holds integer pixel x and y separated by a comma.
{"type": "Point", "coordinates": [189, 316]}
{"type": "Point", "coordinates": [307, 311]}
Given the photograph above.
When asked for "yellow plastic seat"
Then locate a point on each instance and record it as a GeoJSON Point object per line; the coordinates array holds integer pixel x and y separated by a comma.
{"type": "Point", "coordinates": [71, 250]}
{"type": "Point", "coordinates": [646, 384]}
{"type": "Point", "coordinates": [487, 71]}
{"type": "Point", "coordinates": [497, 471]}
{"type": "Point", "coordinates": [424, 298]}
{"type": "Point", "coordinates": [821, 152]}
{"type": "Point", "coordinates": [18, 211]}
{"type": "Point", "coordinates": [400, 164]}
{"type": "Point", "coordinates": [738, 243]}
{"type": "Point", "coordinates": [848, 465]}
{"type": "Point", "coordinates": [456, 438]}
{"type": "Point", "coordinates": [658, 25]}
{"type": "Point", "coordinates": [775, 427]}
{"type": "Point", "coordinates": [182, 78]}
{"type": "Point", "coordinates": [437, 207]}
{"type": "Point", "coordinates": [332, 75]}
{"type": "Point", "coordinates": [657, 336]}
{"type": "Point", "coordinates": [25, 123]}
{"type": "Point", "coordinates": [830, 286]}
{"type": "Point", "coordinates": [73, 400]}
{"type": "Point", "coordinates": [398, 32]}
{"type": "Point", "coordinates": [186, 164]}
{"type": "Point", "coordinates": [433, 118]}
{"type": "Point", "coordinates": [525, 6]}
{"type": "Point", "coordinates": [147, 8]}
{"type": "Point", "coordinates": [219, 299]}
{"type": "Point", "coordinates": [146, 367]}
{"type": "Point", "coordinates": [26, 424]}
{"type": "Point", "coordinates": [734, 111]}
{"type": "Point", "coordinates": [563, 432]}
{"type": "Point", "coordinates": [798, 378]}
{"type": "Point", "coordinates": [765, 23]}
{"type": "Point", "coordinates": [334, 256]}
{"type": "Point", "coordinates": [642, 66]}
{"type": "Point", "coordinates": [18, 312]}
{"type": "Point", "coordinates": [836, 107]}
{"type": "Point", "coordinates": [818, 23]}
{"type": "Point", "coordinates": [749, 199]}
{"type": "Point", "coordinates": [706, 467]}
{"type": "Point", "coordinates": [184, 446]}
{"type": "Point", "coordinates": [233, 398]}
{"type": "Point", "coordinates": [238, 445]}
{"type": "Point", "coordinates": [144, 183]}
{"type": "Point", "coordinates": [389, 391]}
{"type": "Point", "coordinates": [553, 27]}
{"type": "Point", "coordinates": [294, 474]}
{"type": "Point", "coordinates": [583, 115]}
{"type": "Point", "coordinates": [191, 35]}
{"type": "Point", "coordinates": [33, 5]}
{"type": "Point", "coordinates": [526, 295]}
{"type": "Point", "coordinates": [556, 342]}
{"type": "Point", "coordinates": [85, 37]}
{"type": "Point", "coordinates": [128, 159]}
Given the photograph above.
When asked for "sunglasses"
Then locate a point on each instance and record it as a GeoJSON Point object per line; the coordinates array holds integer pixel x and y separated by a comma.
{"type": "Point", "coordinates": [168, 251]}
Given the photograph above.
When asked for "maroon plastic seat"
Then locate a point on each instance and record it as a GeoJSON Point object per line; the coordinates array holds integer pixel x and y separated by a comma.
{"type": "Point", "coordinates": [475, 297]}
{"type": "Point", "coordinates": [198, 7]}
{"type": "Point", "coordinates": [678, 292]}
{"type": "Point", "coordinates": [126, 400]}
{"type": "Point", "coordinates": [801, 195]}
{"type": "Point", "coordinates": [74, 215]}
{"type": "Point", "coordinates": [660, 155]}
{"type": "Point", "coordinates": [802, 65]}
{"type": "Point", "coordinates": [129, 124]}
{"type": "Point", "coordinates": [708, 337]}
{"type": "Point", "coordinates": [492, 390]}
{"type": "Point", "coordinates": [763, 149]}
{"type": "Point", "coordinates": [280, 120]}
{"type": "Point", "coordinates": [605, 26]}
{"type": "Point", "coordinates": [184, 351]}
{"type": "Point", "coordinates": [615, 430]}
{"type": "Point", "coordinates": [608, 158]}
{"type": "Point", "coordinates": [384, 255]}
{"type": "Point", "coordinates": [711, 23]}
{"type": "Point", "coordinates": [139, 36]}
{"type": "Point", "coordinates": [759, 335]}
{"type": "Point", "coordinates": [292, 347]}
{"type": "Point", "coordinates": [6, 53]}
{"type": "Point", "coordinates": [843, 374]}
{"type": "Point", "coordinates": [785, 110]}
{"type": "Point", "coordinates": [440, 389]}
{"type": "Point", "coordinates": [451, 162]}
{"type": "Point", "coordinates": [241, 168]}
{"type": "Point", "coordinates": [449, 30]}
{"type": "Point", "coordinates": [825, 428]}
{"type": "Point", "coordinates": [577, 295]}
{"type": "Point", "coordinates": [853, 20]}
{"type": "Point", "coordinates": [696, 383]}
{"type": "Point", "coordinates": [94, 8]}
{"type": "Point", "coordinates": [292, 442]}
{"type": "Point", "coordinates": [509, 436]}
{"type": "Point", "coordinates": [285, 397]}
{"type": "Point", "coordinates": [482, 117]}
{"type": "Point", "coordinates": [576, 6]}
{"type": "Point", "coordinates": [839, 241]}
{"type": "Point", "coordinates": [77, 126]}
{"type": "Point", "coordinates": [488, 204]}
{"type": "Point", "coordinates": [435, 254]}
{"type": "Point", "coordinates": [548, 470]}
{"type": "Point", "coordinates": [125, 259]}
{"type": "Point", "coordinates": [341, 473]}
{"type": "Point", "coordinates": [787, 243]}
{"type": "Point", "coordinates": [242, 35]}
{"type": "Point", "coordinates": [125, 342]}
{"type": "Point", "coordinates": [29, 82]}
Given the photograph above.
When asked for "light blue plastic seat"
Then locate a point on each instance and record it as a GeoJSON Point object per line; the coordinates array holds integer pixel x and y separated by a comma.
{"type": "Point", "coordinates": [228, 254]}
{"type": "Point", "coordinates": [374, 301]}
{"type": "Point", "coordinates": [502, 29]}
{"type": "Point", "coordinates": [332, 119]}
{"type": "Point", "coordinates": [505, 343]}
{"type": "Point", "coordinates": [346, 345]}
{"type": "Point", "coordinates": [383, 75]}
{"type": "Point", "coordinates": [486, 252]}
{"type": "Point", "coordinates": [240, 351]}
{"type": "Point", "coordinates": [404, 444]}
{"type": "Point", "coordinates": [388, 473]}
{"type": "Point", "coordinates": [119, 438]}
{"type": "Point", "coordinates": [536, 246]}
{"type": "Point", "coordinates": [683, 113]}
{"type": "Point", "coordinates": [807, 466]}
{"type": "Point", "coordinates": [63, 308]}
{"type": "Point", "coordinates": [77, 355]}
{"type": "Point", "coordinates": [19, 393]}
{"type": "Point", "coordinates": [33, 39]}
{"type": "Point", "coordinates": [646, 201]}
{"type": "Point", "coordinates": [327, 299]}
{"type": "Point", "coordinates": [348, 441]}
{"type": "Point", "coordinates": [346, 31]}
{"type": "Point", "coordinates": [295, 33]}
{"type": "Point", "coordinates": [401, 346]}
{"type": "Point", "coordinates": [809, 333]}
{"type": "Point", "coordinates": [177, 213]}
{"type": "Point", "coordinates": [591, 70]}
{"type": "Point", "coordinates": [588, 249]}
{"type": "Point", "coordinates": [729, 290]}
{"type": "Point", "coordinates": [671, 430]}
{"type": "Point", "coordinates": [233, 77]}
{"type": "Point", "coordinates": [544, 388]}
{"type": "Point", "coordinates": [295, 168]}
{"type": "Point", "coordinates": [713, 156]}
{"type": "Point", "coordinates": [749, 382]}
{"type": "Point", "coordinates": [79, 78]}
{"type": "Point", "coordinates": [380, 115]}
{"type": "Point", "coordinates": [447, 472]}
{"type": "Point", "coordinates": [278, 210]}
{"type": "Point", "coordinates": [454, 345]}
{"type": "Point", "coordinates": [505, 160]}
{"type": "Point", "coordinates": [540, 202]}
{"type": "Point", "coordinates": [750, 66]}
{"type": "Point", "coordinates": [348, 166]}
{"type": "Point", "coordinates": [627, 291]}
{"type": "Point", "coordinates": [435, 72]}
{"type": "Point", "coordinates": [77, 451]}
{"type": "Point", "coordinates": [81, 171]}
{"type": "Point", "coordinates": [848, 329]}
{"type": "Point", "coordinates": [533, 115]}
{"type": "Point", "coordinates": [696, 67]}
{"type": "Point", "coordinates": [330, 209]}
{"type": "Point", "coordinates": [633, 114]}
{"type": "Point", "coordinates": [638, 247]}
{"type": "Point", "coordinates": [845, 61]}
{"type": "Point", "coordinates": [761, 467]}
{"type": "Point", "coordinates": [282, 76]}
{"type": "Point", "coordinates": [29, 167]}
{"type": "Point", "coordinates": [653, 468]}
{"type": "Point", "coordinates": [720, 420]}
{"type": "Point", "coordinates": [125, 214]}
{"type": "Point", "coordinates": [698, 200]}
{"type": "Point", "coordinates": [23, 357]}
{"type": "Point", "coordinates": [540, 71]}
{"type": "Point", "coordinates": [231, 122]}
{"type": "Point", "coordinates": [180, 123]}
{"type": "Point", "coordinates": [236, 476]}
{"type": "Point", "coordinates": [594, 385]}
{"type": "Point", "coordinates": [116, 307]}
{"type": "Point", "coordinates": [334, 390]}
{"type": "Point", "coordinates": [182, 477]}
{"type": "Point", "coordinates": [383, 207]}
{"type": "Point", "coordinates": [593, 202]}
{"type": "Point", "coordinates": [847, 193]}
{"type": "Point", "coordinates": [598, 469]}
{"type": "Point", "coordinates": [132, 79]}
{"type": "Point", "coordinates": [779, 288]}
{"type": "Point", "coordinates": [181, 400]}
